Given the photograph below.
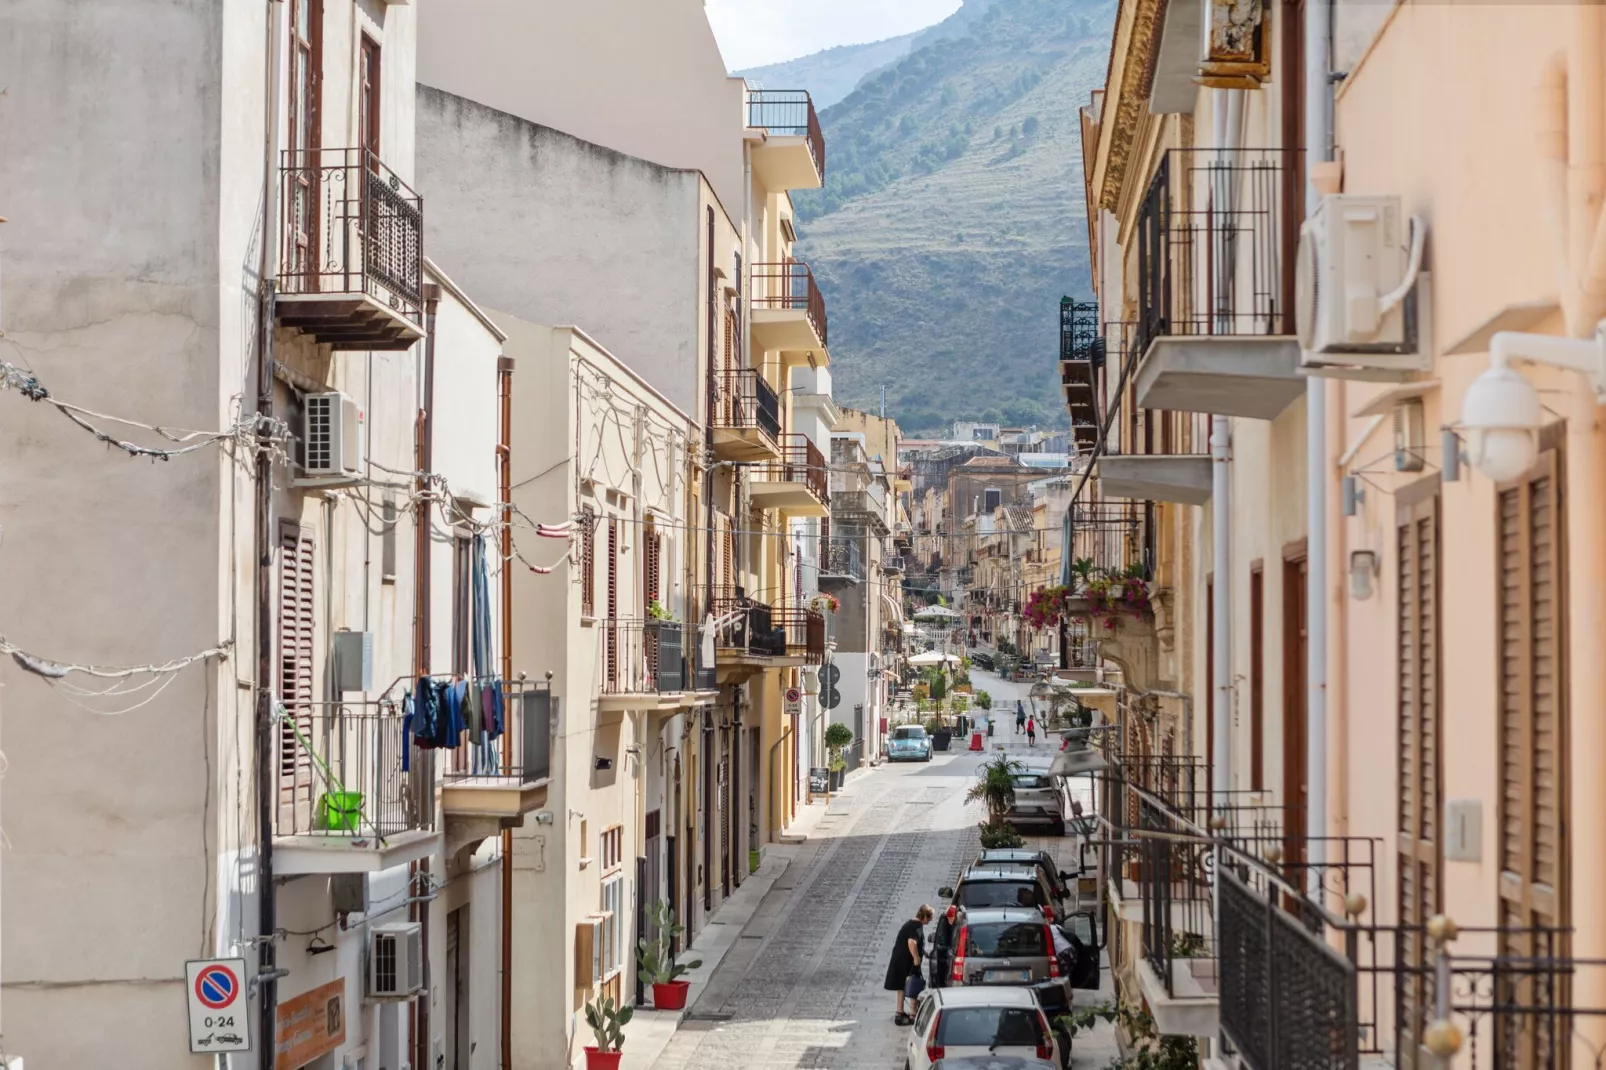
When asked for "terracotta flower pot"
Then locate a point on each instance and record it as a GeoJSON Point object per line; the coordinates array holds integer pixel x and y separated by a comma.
{"type": "Point", "coordinates": [670, 996]}
{"type": "Point", "coordinates": [602, 1060]}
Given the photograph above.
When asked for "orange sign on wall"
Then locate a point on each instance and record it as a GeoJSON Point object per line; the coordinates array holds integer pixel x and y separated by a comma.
{"type": "Point", "coordinates": [310, 1025]}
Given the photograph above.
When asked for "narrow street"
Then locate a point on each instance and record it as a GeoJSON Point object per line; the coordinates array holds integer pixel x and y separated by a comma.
{"type": "Point", "coordinates": [801, 987]}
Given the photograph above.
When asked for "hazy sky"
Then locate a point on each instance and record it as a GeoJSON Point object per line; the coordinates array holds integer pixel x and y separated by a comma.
{"type": "Point", "coordinates": [753, 33]}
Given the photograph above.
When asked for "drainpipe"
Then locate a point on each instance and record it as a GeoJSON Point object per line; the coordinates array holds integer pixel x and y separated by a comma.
{"type": "Point", "coordinates": [504, 453]}
{"type": "Point", "coordinates": [266, 729]}
{"type": "Point", "coordinates": [1319, 142]}
{"type": "Point", "coordinates": [424, 450]}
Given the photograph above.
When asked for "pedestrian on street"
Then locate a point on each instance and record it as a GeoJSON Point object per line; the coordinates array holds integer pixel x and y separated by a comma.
{"type": "Point", "coordinates": [906, 957]}
{"type": "Point", "coordinates": [1020, 716]}
{"type": "Point", "coordinates": [1031, 731]}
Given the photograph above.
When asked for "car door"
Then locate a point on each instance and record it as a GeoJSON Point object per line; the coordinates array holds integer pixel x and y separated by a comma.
{"type": "Point", "coordinates": [1082, 930]}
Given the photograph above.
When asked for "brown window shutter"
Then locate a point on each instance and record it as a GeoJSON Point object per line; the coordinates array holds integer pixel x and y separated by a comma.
{"type": "Point", "coordinates": [588, 563]}
{"type": "Point", "coordinates": [1533, 820]}
{"type": "Point", "coordinates": [296, 618]}
{"type": "Point", "coordinates": [652, 564]}
{"type": "Point", "coordinates": [1419, 801]}
{"type": "Point", "coordinates": [1257, 679]}
{"type": "Point", "coordinates": [613, 599]}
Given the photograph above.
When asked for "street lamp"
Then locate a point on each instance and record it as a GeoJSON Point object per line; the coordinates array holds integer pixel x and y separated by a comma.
{"type": "Point", "coordinates": [1501, 410]}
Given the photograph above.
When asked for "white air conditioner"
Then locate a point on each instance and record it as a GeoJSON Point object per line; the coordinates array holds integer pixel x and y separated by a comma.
{"type": "Point", "coordinates": [1361, 296]}
{"type": "Point", "coordinates": [396, 960]}
{"type": "Point", "coordinates": [331, 440]}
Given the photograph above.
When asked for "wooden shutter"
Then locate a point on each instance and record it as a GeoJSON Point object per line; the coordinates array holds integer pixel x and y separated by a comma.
{"type": "Point", "coordinates": [1210, 679]}
{"type": "Point", "coordinates": [1533, 821]}
{"type": "Point", "coordinates": [652, 567]}
{"type": "Point", "coordinates": [296, 619]}
{"type": "Point", "coordinates": [1420, 795]}
{"type": "Point", "coordinates": [613, 599]}
{"type": "Point", "coordinates": [588, 563]}
{"type": "Point", "coordinates": [1257, 678]}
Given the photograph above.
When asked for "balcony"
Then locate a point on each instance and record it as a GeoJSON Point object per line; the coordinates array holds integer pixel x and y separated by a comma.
{"type": "Point", "coordinates": [789, 313]}
{"type": "Point", "coordinates": [841, 560]}
{"type": "Point", "coordinates": [805, 632]}
{"type": "Point", "coordinates": [1081, 360]}
{"type": "Point", "coordinates": [351, 271]}
{"type": "Point", "coordinates": [797, 483]}
{"type": "Point", "coordinates": [789, 146]}
{"type": "Point", "coordinates": [1216, 242]}
{"type": "Point", "coordinates": [747, 639]}
{"type": "Point", "coordinates": [868, 507]}
{"type": "Point", "coordinates": [893, 563]}
{"type": "Point", "coordinates": [507, 777]}
{"type": "Point", "coordinates": [351, 798]}
{"type": "Point", "coordinates": [645, 663]}
{"type": "Point", "coordinates": [1178, 971]}
{"type": "Point", "coordinates": [747, 417]}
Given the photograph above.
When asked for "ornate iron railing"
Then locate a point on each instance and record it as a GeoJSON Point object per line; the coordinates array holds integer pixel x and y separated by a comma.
{"type": "Point", "coordinates": [801, 462]}
{"type": "Point", "coordinates": [788, 113]}
{"type": "Point", "coordinates": [743, 400]}
{"type": "Point", "coordinates": [749, 626]}
{"type": "Point", "coordinates": [790, 285]}
{"type": "Point", "coordinates": [642, 656]}
{"type": "Point", "coordinates": [522, 753]}
{"type": "Point", "coordinates": [841, 558]}
{"type": "Point", "coordinates": [1177, 879]}
{"type": "Point", "coordinates": [804, 628]}
{"type": "Point", "coordinates": [350, 226]}
{"type": "Point", "coordinates": [1215, 236]}
{"type": "Point", "coordinates": [349, 774]}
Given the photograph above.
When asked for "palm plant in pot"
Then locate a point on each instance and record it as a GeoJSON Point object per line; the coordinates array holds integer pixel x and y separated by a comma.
{"type": "Point", "coordinates": [657, 957]}
{"type": "Point", "coordinates": [607, 1021]}
{"type": "Point", "coordinates": [995, 787]}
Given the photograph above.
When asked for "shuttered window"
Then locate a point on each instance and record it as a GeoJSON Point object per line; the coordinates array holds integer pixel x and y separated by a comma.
{"type": "Point", "coordinates": [652, 567]}
{"type": "Point", "coordinates": [1533, 819]}
{"type": "Point", "coordinates": [1420, 797]}
{"type": "Point", "coordinates": [296, 619]}
{"type": "Point", "coordinates": [588, 563]}
{"type": "Point", "coordinates": [613, 599]}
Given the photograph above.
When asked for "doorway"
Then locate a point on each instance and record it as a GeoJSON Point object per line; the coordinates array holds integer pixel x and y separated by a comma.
{"type": "Point", "coordinates": [459, 1047]}
{"type": "Point", "coordinates": [1296, 777]}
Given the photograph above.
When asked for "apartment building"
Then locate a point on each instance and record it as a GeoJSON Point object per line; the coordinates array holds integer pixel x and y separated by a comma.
{"type": "Point", "coordinates": [1254, 698]}
{"type": "Point", "coordinates": [310, 566]}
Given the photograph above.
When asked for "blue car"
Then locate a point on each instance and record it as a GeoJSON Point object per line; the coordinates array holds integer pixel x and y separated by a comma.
{"type": "Point", "coordinates": [909, 743]}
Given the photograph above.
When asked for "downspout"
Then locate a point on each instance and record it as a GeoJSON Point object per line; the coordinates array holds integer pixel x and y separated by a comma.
{"type": "Point", "coordinates": [266, 729]}
{"type": "Point", "coordinates": [418, 910]}
{"type": "Point", "coordinates": [504, 452]}
{"type": "Point", "coordinates": [712, 401]}
{"type": "Point", "coordinates": [1319, 144]}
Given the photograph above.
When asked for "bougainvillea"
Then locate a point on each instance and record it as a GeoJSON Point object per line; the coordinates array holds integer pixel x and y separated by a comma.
{"type": "Point", "coordinates": [1110, 595]}
{"type": "Point", "coordinates": [1045, 607]}
{"type": "Point", "coordinates": [825, 603]}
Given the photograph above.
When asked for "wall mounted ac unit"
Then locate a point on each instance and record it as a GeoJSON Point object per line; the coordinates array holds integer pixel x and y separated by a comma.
{"type": "Point", "coordinates": [395, 960]}
{"type": "Point", "coordinates": [1361, 296]}
{"type": "Point", "coordinates": [331, 440]}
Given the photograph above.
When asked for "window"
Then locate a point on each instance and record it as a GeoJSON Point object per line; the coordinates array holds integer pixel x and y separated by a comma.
{"type": "Point", "coordinates": [612, 847]}
{"type": "Point", "coordinates": [1417, 689]}
{"type": "Point", "coordinates": [1257, 678]}
{"type": "Point", "coordinates": [613, 907]}
{"type": "Point", "coordinates": [1533, 816]}
{"type": "Point", "coordinates": [611, 635]}
{"type": "Point", "coordinates": [387, 540]}
{"type": "Point", "coordinates": [588, 562]}
{"type": "Point", "coordinates": [296, 618]}
{"type": "Point", "coordinates": [1006, 939]}
{"type": "Point", "coordinates": [306, 83]}
{"type": "Point", "coordinates": [990, 1027]}
{"type": "Point", "coordinates": [992, 497]}
{"type": "Point", "coordinates": [652, 568]}
{"type": "Point", "coordinates": [368, 72]}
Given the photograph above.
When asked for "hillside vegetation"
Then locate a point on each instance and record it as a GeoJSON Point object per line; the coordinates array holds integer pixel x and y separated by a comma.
{"type": "Point", "coordinates": [952, 221]}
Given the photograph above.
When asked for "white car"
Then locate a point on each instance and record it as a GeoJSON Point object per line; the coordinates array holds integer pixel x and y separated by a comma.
{"type": "Point", "coordinates": [954, 1023]}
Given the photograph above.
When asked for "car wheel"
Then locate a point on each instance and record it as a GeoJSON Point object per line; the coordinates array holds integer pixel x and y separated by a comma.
{"type": "Point", "coordinates": [1059, 828]}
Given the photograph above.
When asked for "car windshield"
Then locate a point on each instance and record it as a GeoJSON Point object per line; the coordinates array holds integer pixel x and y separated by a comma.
{"type": "Point", "coordinates": [1006, 939]}
{"type": "Point", "coordinates": [1029, 780]}
{"type": "Point", "coordinates": [911, 732]}
{"type": "Point", "coordinates": [1000, 894]}
{"type": "Point", "coordinates": [989, 1027]}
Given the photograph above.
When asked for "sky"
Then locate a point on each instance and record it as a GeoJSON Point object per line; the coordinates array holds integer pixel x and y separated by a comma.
{"type": "Point", "coordinates": [754, 33]}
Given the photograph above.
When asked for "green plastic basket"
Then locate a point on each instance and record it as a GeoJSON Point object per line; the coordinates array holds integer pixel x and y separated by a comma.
{"type": "Point", "coordinates": [340, 811]}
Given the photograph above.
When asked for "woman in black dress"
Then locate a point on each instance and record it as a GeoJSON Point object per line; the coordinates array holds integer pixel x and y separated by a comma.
{"type": "Point", "coordinates": [907, 951]}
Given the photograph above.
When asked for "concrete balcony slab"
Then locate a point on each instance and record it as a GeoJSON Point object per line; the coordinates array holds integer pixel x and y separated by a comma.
{"type": "Point", "coordinates": [1184, 480]}
{"type": "Point", "coordinates": [1251, 376]}
{"type": "Point", "coordinates": [313, 854]}
{"type": "Point", "coordinates": [1195, 1010]}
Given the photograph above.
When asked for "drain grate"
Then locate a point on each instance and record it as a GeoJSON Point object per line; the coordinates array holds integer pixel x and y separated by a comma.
{"type": "Point", "coordinates": [752, 936]}
{"type": "Point", "coordinates": [706, 1016]}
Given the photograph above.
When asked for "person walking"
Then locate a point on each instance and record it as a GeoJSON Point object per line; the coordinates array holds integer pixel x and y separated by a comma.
{"type": "Point", "coordinates": [1031, 731]}
{"type": "Point", "coordinates": [1020, 716]}
{"type": "Point", "coordinates": [907, 953]}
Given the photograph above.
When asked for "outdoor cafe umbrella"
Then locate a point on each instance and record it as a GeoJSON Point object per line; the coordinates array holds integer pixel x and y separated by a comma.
{"type": "Point", "coordinates": [932, 657]}
{"type": "Point", "coordinates": [936, 613]}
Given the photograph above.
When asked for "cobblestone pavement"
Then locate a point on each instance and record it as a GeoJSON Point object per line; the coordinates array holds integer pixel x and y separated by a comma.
{"type": "Point", "coordinates": [801, 988]}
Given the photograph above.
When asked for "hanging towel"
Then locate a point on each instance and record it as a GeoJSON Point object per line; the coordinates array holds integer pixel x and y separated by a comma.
{"type": "Point", "coordinates": [407, 731]}
{"type": "Point", "coordinates": [492, 694]}
{"type": "Point", "coordinates": [473, 717]}
{"type": "Point", "coordinates": [427, 714]}
{"type": "Point", "coordinates": [456, 692]}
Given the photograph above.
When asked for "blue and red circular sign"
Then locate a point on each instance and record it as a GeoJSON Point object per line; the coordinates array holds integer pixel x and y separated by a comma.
{"type": "Point", "coordinates": [216, 987]}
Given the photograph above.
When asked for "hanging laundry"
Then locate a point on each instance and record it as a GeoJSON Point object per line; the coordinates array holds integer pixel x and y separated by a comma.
{"type": "Point", "coordinates": [428, 715]}
{"type": "Point", "coordinates": [407, 731]}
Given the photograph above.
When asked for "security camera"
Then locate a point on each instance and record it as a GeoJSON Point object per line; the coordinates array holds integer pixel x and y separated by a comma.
{"type": "Point", "coordinates": [1502, 415]}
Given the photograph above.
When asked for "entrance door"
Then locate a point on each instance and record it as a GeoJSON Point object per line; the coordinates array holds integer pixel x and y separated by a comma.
{"type": "Point", "coordinates": [459, 1046]}
{"type": "Point", "coordinates": [1295, 774]}
{"type": "Point", "coordinates": [652, 887]}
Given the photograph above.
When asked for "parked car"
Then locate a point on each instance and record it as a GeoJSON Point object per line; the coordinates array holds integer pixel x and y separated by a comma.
{"type": "Point", "coordinates": [961, 1023]}
{"type": "Point", "coordinates": [992, 1062]}
{"type": "Point", "coordinates": [1055, 877]}
{"type": "Point", "coordinates": [1040, 799]}
{"type": "Point", "coordinates": [1005, 885]}
{"type": "Point", "coordinates": [909, 743]}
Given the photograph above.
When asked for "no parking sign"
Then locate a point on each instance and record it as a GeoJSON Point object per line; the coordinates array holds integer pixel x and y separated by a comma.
{"type": "Point", "coordinates": [219, 1021]}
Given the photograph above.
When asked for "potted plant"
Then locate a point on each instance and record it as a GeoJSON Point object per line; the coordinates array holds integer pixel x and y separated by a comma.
{"type": "Point", "coordinates": [656, 610]}
{"type": "Point", "coordinates": [825, 603]}
{"type": "Point", "coordinates": [657, 958]}
{"type": "Point", "coordinates": [607, 1022]}
{"type": "Point", "coordinates": [838, 737]}
{"type": "Point", "coordinates": [995, 787]}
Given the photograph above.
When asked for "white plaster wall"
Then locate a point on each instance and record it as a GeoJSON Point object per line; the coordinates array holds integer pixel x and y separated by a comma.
{"type": "Point", "coordinates": [644, 77]}
{"type": "Point", "coordinates": [558, 230]}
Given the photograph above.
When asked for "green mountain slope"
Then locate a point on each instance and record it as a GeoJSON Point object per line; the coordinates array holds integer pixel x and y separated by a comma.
{"type": "Point", "coordinates": [952, 221]}
{"type": "Point", "coordinates": [833, 74]}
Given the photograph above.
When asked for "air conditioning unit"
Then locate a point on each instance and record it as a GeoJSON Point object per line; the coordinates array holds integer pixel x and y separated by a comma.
{"type": "Point", "coordinates": [1361, 296]}
{"type": "Point", "coordinates": [331, 440]}
{"type": "Point", "coordinates": [396, 960]}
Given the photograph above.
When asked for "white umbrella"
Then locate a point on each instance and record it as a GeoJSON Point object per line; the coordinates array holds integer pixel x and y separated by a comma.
{"type": "Point", "coordinates": [932, 657]}
{"type": "Point", "coordinates": [936, 613]}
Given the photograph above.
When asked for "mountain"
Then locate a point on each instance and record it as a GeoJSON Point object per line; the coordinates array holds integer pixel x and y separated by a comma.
{"type": "Point", "coordinates": [831, 75]}
{"type": "Point", "coordinates": [952, 220]}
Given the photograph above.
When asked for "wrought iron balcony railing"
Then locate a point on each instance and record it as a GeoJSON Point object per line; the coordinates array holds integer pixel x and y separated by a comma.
{"type": "Point", "coordinates": [892, 563]}
{"type": "Point", "coordinates": [744, 400]}
{"type": "Point", "coordinates": [788, 113]}
{"type": "Point", "coordinates": [749, 626]}
{"type": "Point", "coordinates": [1110, 535]}
{"type": "Point", "coordinates": [801, 462]}
{"type": "Point", "coordinates": [643, 656]}
{"type": "Point", "coordinates": [841, 558]}
{"type": "Point", "coordinates": [522, 754]}
{"type": "Point", "coordinates": [343, 773]}
{"type": "Point", "coordinates": [790, 285]}
{"type": "Point", "coordinates": [350, 227]}
{"type": "Point", "coordinates": [804, 628]}
{"type": "Point", "coordinates": [1216, 238]}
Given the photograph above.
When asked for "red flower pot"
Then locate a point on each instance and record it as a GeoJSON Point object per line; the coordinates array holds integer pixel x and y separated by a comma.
{"type": "Point", "coordinates": [602, 1060]}
{"type": "Point", "coordinates": [670, 996]}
